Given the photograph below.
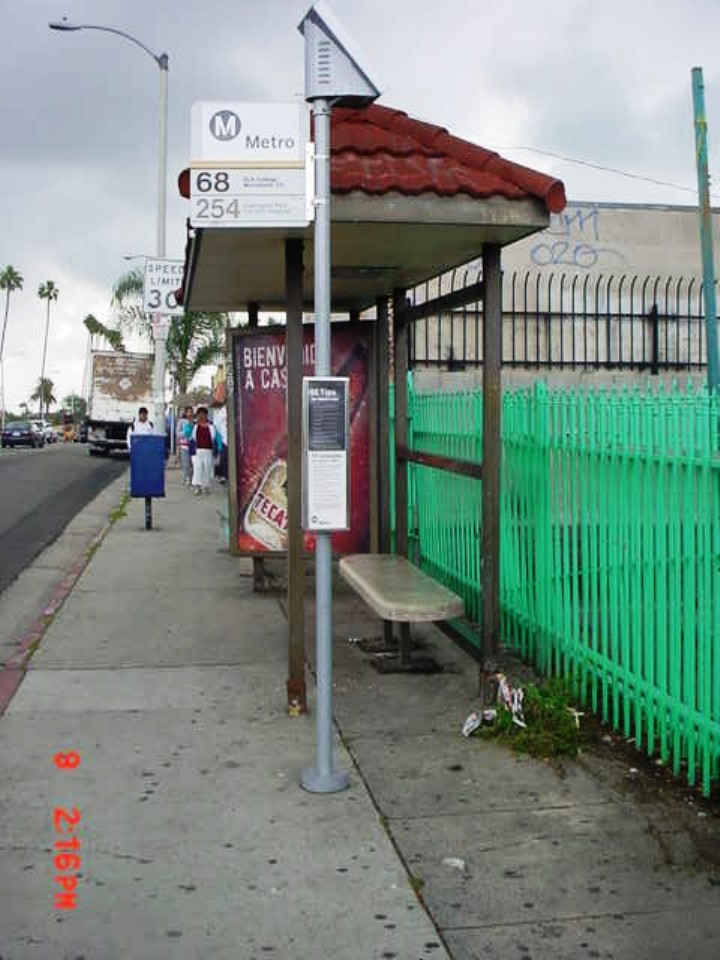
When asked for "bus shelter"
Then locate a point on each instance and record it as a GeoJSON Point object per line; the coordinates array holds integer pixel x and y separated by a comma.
{"type": "Point", "coordinates": [409, 203]}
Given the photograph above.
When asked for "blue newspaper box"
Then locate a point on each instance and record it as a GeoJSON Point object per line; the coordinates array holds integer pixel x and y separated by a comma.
{"type": "Point", "coordinates": [147, 466]}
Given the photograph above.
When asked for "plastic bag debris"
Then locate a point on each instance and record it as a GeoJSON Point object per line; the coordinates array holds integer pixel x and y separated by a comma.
{"type": "Point", "coordinates": [457, 863]}
{"type": "Point", "coordinates": [476, 720]}
{"type": "Point", "coordinates": [509, 697]}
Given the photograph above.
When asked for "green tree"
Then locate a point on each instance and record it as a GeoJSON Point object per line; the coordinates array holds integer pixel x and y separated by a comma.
{"type": "Point", "coordinates": [10, 280]}
{"type": "Point", "coordinates": [95, 328]}
{"type": "Point", "coordinates": [77, 404]}
{"type": "Point", "coordinates": [44, 394]}
{"type": "Point", "coordinates": [127, 300]}
{"type": "Point", "coordinates": [46, 291]}
{"type": "Point", "coordinates": [194, 339]}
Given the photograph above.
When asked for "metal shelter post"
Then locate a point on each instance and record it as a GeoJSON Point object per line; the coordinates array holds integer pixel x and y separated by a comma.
{"type": "Point", "coordinates": [296, 690]}
{"type": "Point", "coordinates": [400, 328]}
{"type": "Point", "coordinates": [492, 413]}
{"type": "Point", "coordinates": [382, 340]}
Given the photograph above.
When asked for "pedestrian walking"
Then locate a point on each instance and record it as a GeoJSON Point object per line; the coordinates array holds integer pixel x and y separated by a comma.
{"type": "Point", "coordinates": [140, 425]}
{"type": "Point", "coordinates": [203, 436]}
{"type": "Point", "coordinates": [220, 424]}
{"type": "Point", "coordinates": [182, 434]}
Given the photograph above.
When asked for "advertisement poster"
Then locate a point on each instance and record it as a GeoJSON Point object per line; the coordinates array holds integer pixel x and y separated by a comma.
{"type": "Point", "coordinates": [260, 376]}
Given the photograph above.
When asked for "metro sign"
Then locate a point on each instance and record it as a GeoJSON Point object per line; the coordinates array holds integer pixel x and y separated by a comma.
{"type": "Point", "coordinates": [248, 133]}
{"type": "Point", "coordinates": [251, 165]}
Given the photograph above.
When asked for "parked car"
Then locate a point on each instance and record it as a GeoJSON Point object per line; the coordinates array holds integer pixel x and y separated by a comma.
{"type": "Point", "coordinates": [22, 433]}
{"type": "Point", "coordinates": [44, 428]}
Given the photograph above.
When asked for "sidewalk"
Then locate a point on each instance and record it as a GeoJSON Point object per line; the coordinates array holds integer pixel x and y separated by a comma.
{"type": "Point", "coordinates": [166, 674]}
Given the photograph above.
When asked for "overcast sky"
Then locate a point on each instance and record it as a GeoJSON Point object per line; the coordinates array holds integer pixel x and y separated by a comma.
{"type": "Point", "coordinates": [608, 83]}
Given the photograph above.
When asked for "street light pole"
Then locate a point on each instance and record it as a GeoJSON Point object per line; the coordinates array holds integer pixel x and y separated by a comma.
{"type": "Point", "coordinates": [159, 322]}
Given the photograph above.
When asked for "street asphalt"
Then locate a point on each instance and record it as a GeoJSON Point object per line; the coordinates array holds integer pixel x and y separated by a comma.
{"type": "Point", "coordinates": [145, 730]}
{"type": "Point", "coordinates": [42, 490]}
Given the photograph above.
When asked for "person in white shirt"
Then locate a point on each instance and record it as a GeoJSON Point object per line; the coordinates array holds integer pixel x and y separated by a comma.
{"type": "Point", "coordinates": [140, 425]}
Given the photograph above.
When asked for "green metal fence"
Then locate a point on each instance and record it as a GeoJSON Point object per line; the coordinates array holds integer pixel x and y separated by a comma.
{"type": "Point", "coordinates": [610, 550]}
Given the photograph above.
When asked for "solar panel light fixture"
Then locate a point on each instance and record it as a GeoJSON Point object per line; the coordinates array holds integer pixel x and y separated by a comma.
{"type": "Point", "coordinates": [332, 63]}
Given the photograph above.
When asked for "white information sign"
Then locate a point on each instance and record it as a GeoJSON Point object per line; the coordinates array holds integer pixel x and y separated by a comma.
{"type": "Point", "coordinates": [326, 429]}
{"type": "Point", "coordinates": [163, 278]}
{"type": "Point", "coordinates": [249, 197]}
{"type": "Point", "coordinates": [252, 165]}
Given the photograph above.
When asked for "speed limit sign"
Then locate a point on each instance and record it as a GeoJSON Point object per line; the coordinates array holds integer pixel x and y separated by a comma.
{"type": "Point", "coordinates": [163, 278]}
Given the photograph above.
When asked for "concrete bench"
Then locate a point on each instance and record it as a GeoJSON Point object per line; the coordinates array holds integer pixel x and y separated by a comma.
{"type": "Point", "coordinates": [399, 592]}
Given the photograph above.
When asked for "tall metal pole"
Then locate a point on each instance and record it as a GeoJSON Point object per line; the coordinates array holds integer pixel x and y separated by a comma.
{"type": "Point", "coordinates": [159, 322]}
{"type": "Point", "coordinates": [706, 243]}
{"type": "Point", "coordinates": [323, 778]}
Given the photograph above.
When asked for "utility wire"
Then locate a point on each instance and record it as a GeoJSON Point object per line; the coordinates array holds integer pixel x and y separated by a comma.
{"type": "Point", "coordinates": [598, 166]}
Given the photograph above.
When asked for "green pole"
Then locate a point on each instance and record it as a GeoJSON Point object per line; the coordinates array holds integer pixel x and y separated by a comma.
{"type": "Point", "coordinates": [701, 156]}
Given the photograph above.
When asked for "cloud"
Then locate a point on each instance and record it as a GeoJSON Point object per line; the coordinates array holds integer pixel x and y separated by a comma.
{"type": "Point", "coordinates": [608, 83]}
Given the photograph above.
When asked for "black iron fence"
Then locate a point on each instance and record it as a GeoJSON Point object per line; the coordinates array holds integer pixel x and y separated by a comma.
{"type": "Point", "coordinates": [650, 324]}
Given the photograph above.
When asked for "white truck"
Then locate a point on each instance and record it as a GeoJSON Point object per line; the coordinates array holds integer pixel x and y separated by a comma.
{"type": "Point", "coordinates": [120, 383]}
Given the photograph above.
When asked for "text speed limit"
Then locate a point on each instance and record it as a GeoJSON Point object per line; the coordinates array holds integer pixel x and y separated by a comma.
{"type": "Point", "coordinates": [163, 280]}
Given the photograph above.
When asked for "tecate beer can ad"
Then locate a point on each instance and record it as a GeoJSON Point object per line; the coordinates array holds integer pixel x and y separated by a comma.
{"type": "Point", "coordinates": [260, 377]}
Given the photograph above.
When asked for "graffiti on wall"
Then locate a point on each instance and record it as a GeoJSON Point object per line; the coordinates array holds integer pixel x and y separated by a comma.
{"type": "Point", "coordinates": [574, 240]}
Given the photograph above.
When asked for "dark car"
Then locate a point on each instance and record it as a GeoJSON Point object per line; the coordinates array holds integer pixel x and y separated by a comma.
{"type": "Point", "coordinates": [21, 434]}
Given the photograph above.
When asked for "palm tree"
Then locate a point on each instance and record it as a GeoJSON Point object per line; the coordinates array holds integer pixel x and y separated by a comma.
{"type": "Point", "coordinates": [194, 339]}
{"type": "Point", "coordinates": [127, 300]}
{"type": "Point", "coordinates": [46, 291]}
{"type": "Point", "coordinates": [10, 280]}
{"type": "Point", "coordinates": [44, 393]}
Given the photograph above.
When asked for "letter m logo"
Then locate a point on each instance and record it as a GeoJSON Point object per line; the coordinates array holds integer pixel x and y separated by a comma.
{"type": "Point", "coordinates": [225, 125]}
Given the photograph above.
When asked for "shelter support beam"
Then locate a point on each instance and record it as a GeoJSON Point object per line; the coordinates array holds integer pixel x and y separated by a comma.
{"type": "Point", "coordinates": [400, 355]}
{"type": "Point", "coordinates": [296, 690]}
{"type": "Point", "coordinates": [382, 448]}
{"type": "Point", "coordinates": [382, 341]}
{"type": "Point", "coordinates": [492, 412]}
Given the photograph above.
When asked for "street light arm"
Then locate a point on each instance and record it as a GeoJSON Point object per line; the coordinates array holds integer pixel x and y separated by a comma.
{"type": "Point", "coordinates": [160, 59]}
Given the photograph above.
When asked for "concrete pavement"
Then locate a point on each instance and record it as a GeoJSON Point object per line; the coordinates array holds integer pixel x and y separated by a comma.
{"type": "Point", "coordinates": [166, 674]}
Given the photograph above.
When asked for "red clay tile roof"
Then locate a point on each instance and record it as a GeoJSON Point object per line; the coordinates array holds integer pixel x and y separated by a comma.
{"type": "Point", "coordinates": [378, 150]}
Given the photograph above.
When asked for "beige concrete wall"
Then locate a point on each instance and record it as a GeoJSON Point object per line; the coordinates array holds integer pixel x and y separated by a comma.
{"type": "Point", "coordinates": [430, 381]}
{"type": "Point", "coordinates": [616, 260]}
{"type": "Point", "coordinates": [610, 239]}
